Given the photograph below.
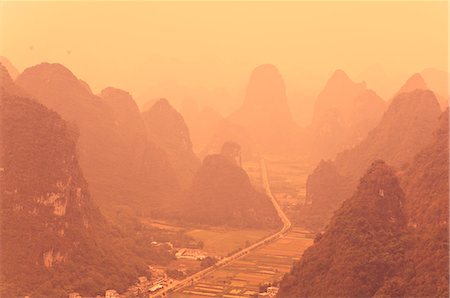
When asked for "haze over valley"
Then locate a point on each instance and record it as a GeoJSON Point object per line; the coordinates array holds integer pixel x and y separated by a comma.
{"type": "Point", "coordinates": [224, 149]}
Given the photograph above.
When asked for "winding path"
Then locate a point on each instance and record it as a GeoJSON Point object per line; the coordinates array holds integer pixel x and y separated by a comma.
{"type": "Point", "coordinates": [178, 285]}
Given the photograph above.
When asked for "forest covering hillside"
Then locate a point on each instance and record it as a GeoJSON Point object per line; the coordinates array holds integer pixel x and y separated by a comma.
{"type": "Point", "coordinates": [390, 239]}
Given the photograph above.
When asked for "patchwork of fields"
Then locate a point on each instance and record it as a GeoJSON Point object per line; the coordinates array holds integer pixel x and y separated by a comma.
{"type": "Point", "coordinates": [221, 242]}
{"type": "Point", "coordinates": [243, 277]}
{"type": "Point", "coordinates": [267, 264]}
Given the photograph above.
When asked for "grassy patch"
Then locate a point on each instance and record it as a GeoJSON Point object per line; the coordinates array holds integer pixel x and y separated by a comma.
{"type": "Point", "coordinates": [222, 241]}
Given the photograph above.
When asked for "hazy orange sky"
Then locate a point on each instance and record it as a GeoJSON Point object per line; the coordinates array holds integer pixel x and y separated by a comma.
{"type": "Point", "coordinates": [206, 50]}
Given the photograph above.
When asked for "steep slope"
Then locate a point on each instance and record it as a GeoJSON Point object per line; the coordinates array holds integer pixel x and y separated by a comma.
{"type": "Point", "coordinates": [360, 249]}
{"type": "Point", "coordinates": [54, 240]}
{"type": "Point", "coordinates": [406, 127]}
{"type": "Point", "coordinates": [426, 185]}
{"type": "Point", "coordinates": [265, 113]}
{"type": "Point", "coordinates": [416, 81]}
{"type": "Point", "coordinates": [203, 123]}
{"type": "Point", "coordinates": [7, 84]}
{"type": "Point", "coordinates": [344, 113]}
{"type": "Point", "coordinates": [13, 72]}
{"type": "Point", "coordinates": [381, 243]}
{"type": "Point", "coordinates": [426, 181]}
{"type": "Point", "coordinates": [116, 172]}
{"type": "Point", "coordinates": [167, 129]}
{"type": "Point", "coordinates": [323, 184]}
{"type": "Point", "coordinates": [149, 165]}
{"type": "Point", "coordinates": [438, 82]}
{"type": "Point", "coordinates": [227, 131]}
{"type": "Point", "coordinates": [223, 195]}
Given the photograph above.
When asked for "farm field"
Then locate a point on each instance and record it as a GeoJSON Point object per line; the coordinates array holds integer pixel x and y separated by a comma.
{"type": "Point", "coordinates": [267, 264]}
{"type": "Point", "coordinates": [220, 242]}
{"type": "Point", "coordinates": [243, 277]}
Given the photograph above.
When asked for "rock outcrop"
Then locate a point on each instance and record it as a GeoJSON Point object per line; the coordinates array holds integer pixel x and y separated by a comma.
{"type": "Point", "coordinates": [344, 113]}
{"type": "Point", "coordinates": [222, 195]}
{"type": "Point", "coordinates": [361, 248]}
{"type": "Point", "coordinates": [113, 167]}
{"type": "Point", "coordinates": [390, 239]}
{"type": "Point", "coordinates": [167, 129]}
{"type": "Point", "coordinates": [265, 114]}
{"type": "Point", "coordinates": [406, 127]}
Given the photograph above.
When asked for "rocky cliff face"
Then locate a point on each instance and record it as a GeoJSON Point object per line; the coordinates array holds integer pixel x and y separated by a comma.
{"type": "Point", "coordinates": [52, 235]}
{"type": "Point", "coordinates": [344, 113]}
{"type": "Point", "coordinates": [360, 249]}
{"type": "Point", "coordinates": [223, 195]}
{"type": "Point", "coordinates": [405, 128]}
{"type": "Point", "coordinates": [115, 155]}
{"type": "Point", "coordinates": [54, 239]}
{"type": "Point", "coordinates": [167, 129]}
{"type": "Point", "coordinates": [42, 182]}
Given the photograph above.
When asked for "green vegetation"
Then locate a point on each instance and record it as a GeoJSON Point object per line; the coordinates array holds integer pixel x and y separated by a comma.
{"type": "Point", "coordinates": [222, 241]}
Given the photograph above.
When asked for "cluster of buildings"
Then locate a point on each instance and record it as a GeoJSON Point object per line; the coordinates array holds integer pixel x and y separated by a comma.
{"type": "Point", "coordinates": [108, 294]}
{"type": "Point", "coordinates": [269, 293]}
{"type": "Point", "coordinates": [193, 254]}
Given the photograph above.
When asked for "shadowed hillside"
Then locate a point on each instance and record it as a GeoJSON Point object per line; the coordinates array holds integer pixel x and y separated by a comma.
{"type": "Point", "coordinates": [406, 127]}
{"type": "Point", "coordinates": [119, 162]}
{"type": "Point", "coordinates": [222, 195]}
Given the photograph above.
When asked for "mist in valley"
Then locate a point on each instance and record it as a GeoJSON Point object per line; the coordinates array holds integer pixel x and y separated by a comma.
{"type": "Point", "coordinates": [224, 149]}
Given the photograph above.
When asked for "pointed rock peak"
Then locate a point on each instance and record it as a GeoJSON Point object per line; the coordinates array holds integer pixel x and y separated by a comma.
{"type": "Point", "coordinates": [418, 100]}
{"type": "Point", "coordinates": [5, 76]}
{"type": "Point", "coordinates": [416, 81]}
{"type": "Point", "coordinates": [162, 110]}
{"type": "Point", "coordinates": [114, 94]}
{"type": "Point", "coordinates": [50, 70]}
{"type": "Point", "coordinates": [266, 86]}
{"type": "Point", "coordinates": [12, 70]}
{"type": "Point", "coordinates": [378, 179]}
{"type": "Point", "coordinates": [340, 75]}
{"type": "Point", "coordinates": [7, 85]}
{"type": "Point", "coordinates": [162, 104]}
{"type": "Point", "coordinates": [265, 69]}
{"type": "Point", "coordinates": [266, 73]}
{"type": "Point", "coordinates": [119, 100]}
{"type": "Point", "coordinates": [339, 79]}
{"type": "Point", "coordinates": [52, 74]}
{"type": "Point", "coordinates": [379, 191]}
{"type": "Point", "coordinates": [149, 104]}
{"type": "Point", "coordinates": [341, 82]}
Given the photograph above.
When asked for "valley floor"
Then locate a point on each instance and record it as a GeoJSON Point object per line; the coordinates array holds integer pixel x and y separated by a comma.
{"type": "Point", "coordinates": [267, 264]}
{"type": "Point", "coordinates": [243, 277]}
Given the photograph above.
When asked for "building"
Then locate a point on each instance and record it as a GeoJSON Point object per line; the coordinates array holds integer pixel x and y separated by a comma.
{"type": "Point", "coordinates": [111, 294]}
{"type": "Point", "coordinates": [272, 291]}
{"type": "Point", "coordinates": [155, 288]}
{"type": "Point", "coordinates": [193, 254]}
